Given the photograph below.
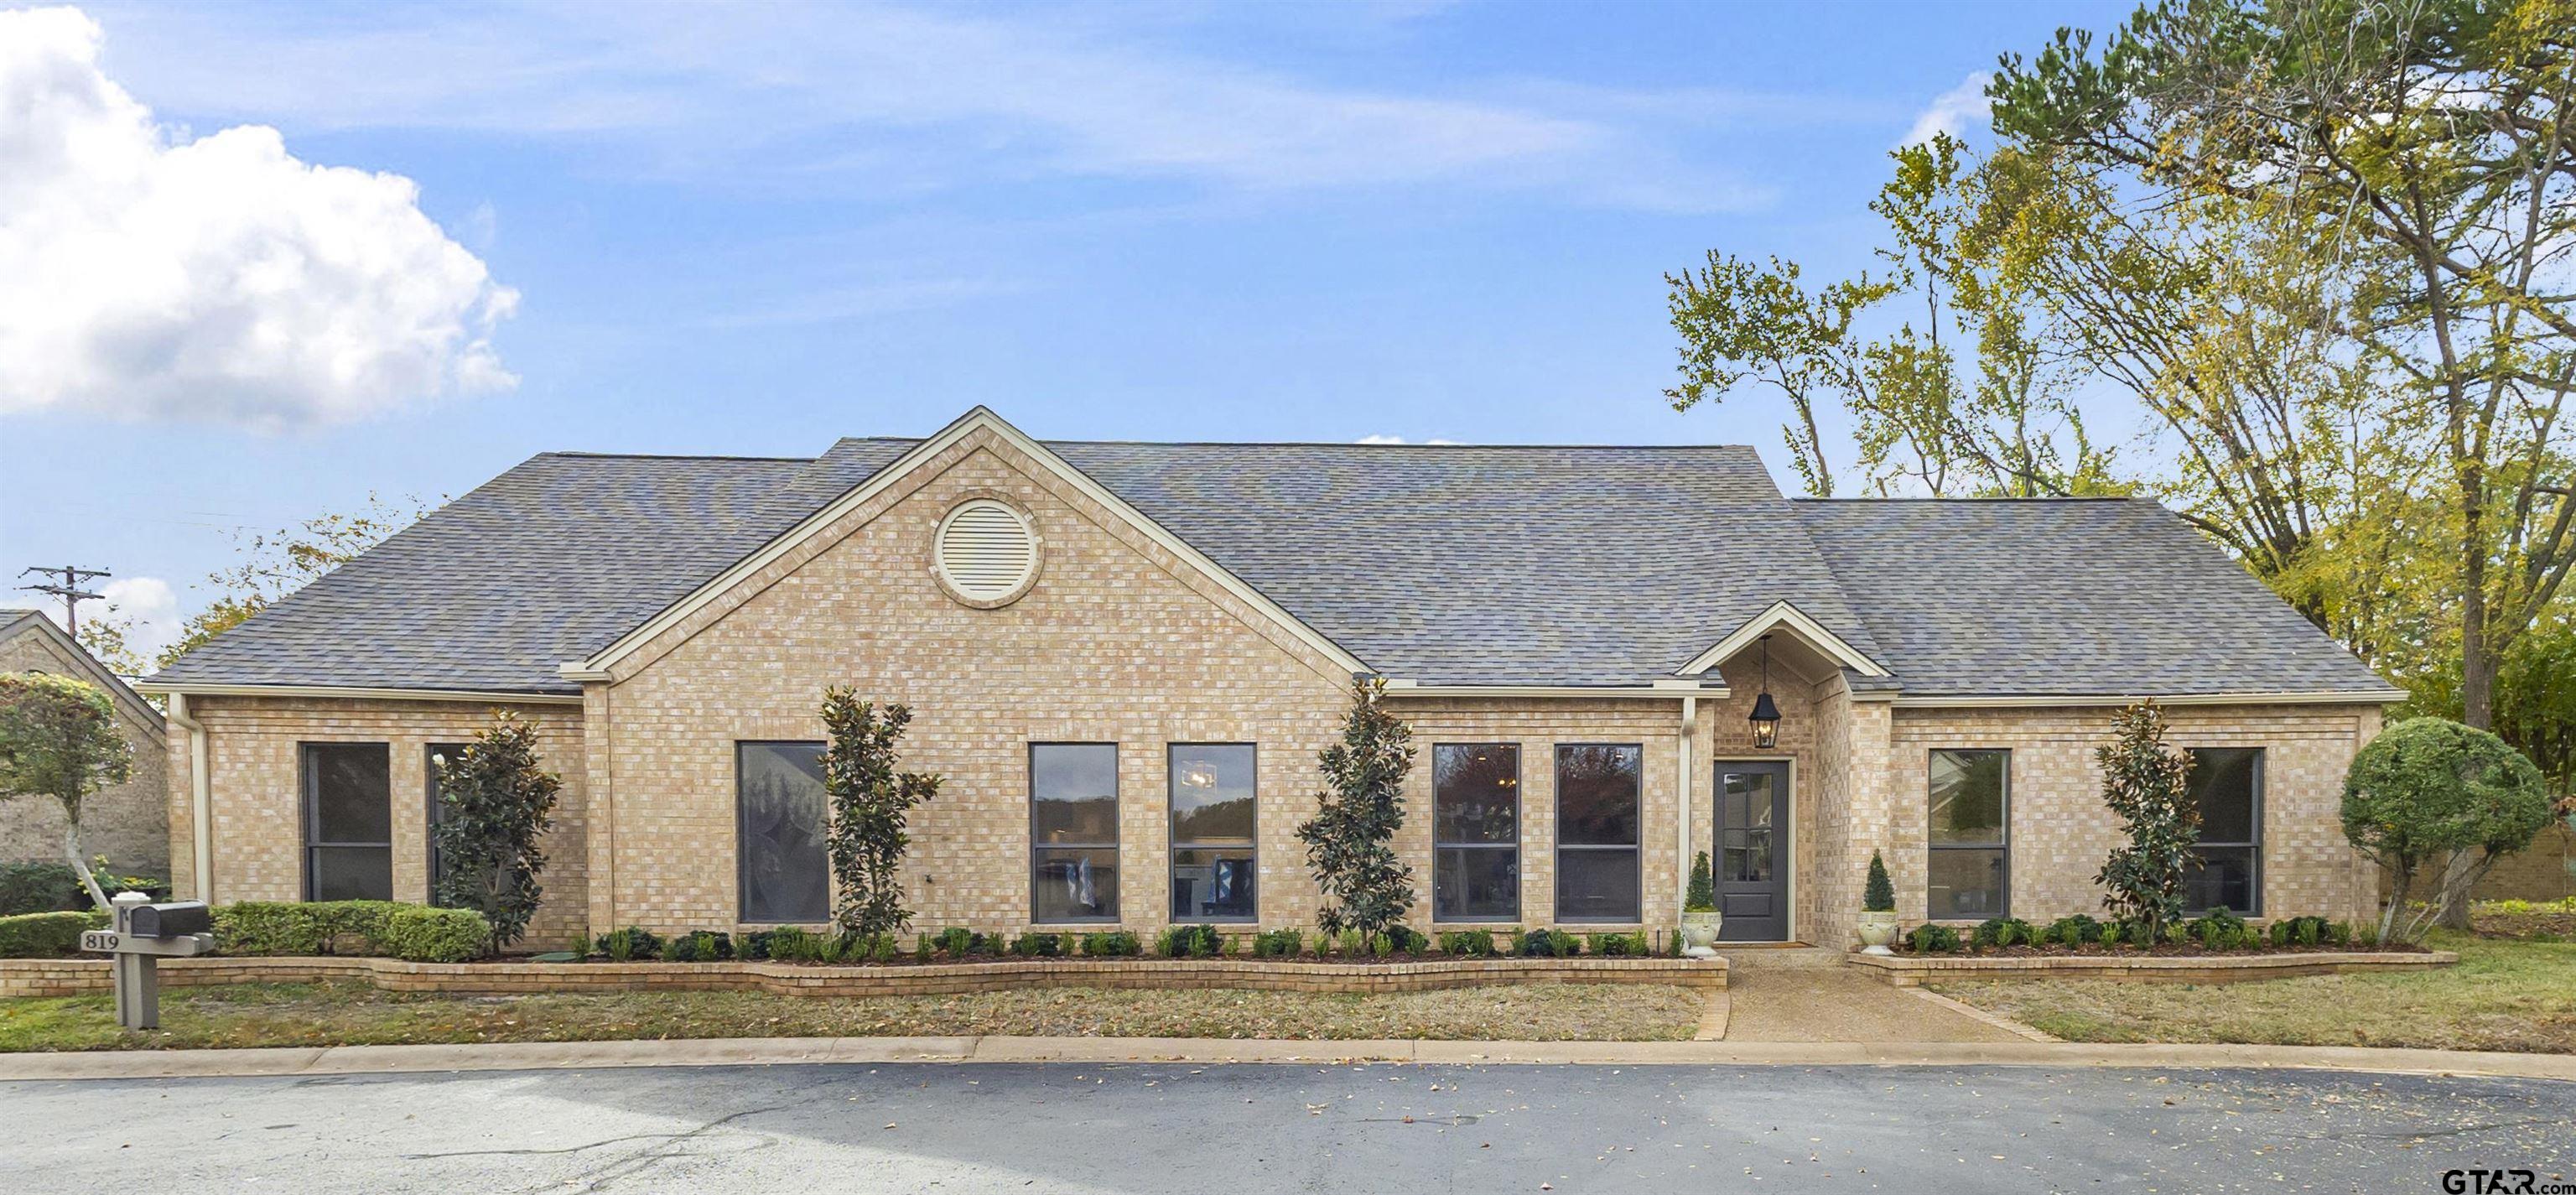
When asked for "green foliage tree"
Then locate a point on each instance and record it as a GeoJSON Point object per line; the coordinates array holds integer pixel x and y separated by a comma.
{"type": "Point", "coordinates": [1879, 894]}
{"type": "Point", "coordinates": [1350, 840]}
{"type": "Point", "coordinates": [1702, 894]}
{"type": "Point", "coordinates": [494, 802]}
{"type": "Point", "coordinates": [2430, 789]}
{"type": "Point", "coordinates": [871, 804]}
{"type": "Point", "coordinates": [2144, 782]}
{"type": "Point", "coordinates": [58, 739]}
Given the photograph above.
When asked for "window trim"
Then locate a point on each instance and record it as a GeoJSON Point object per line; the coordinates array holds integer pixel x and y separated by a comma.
{"type": "Point", "coordinates": [2004, 845]}
{"type": "Point", "coordinates": [742, 859]}
{"type": "Point", "coordinates": [1519, 775]}
{"type": "Point", "coordinates": [1118, 802]}
{"type": "Point", "coordinates": [429, 816]}
{"type": "Point", "coordinates": [309, 817]}
{"type": "Point", "coordinates": [1556, 782]}
{"type": "Point", "coordinates": [2262, 777]}
{"type": "Point", "coordinates": [1172, 844]}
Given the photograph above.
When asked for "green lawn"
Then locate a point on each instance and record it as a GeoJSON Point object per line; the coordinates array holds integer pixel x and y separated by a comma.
{"type": "Point", "coordinates": [345, 1013]}
{"type": "Point", "coordinates": [2503, 995]}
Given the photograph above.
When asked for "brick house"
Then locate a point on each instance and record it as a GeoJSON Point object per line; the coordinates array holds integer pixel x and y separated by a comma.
{"type": "Point", "coordinates": [1124, 658]}
{"type": "Point", "coordinates": [126, 822]}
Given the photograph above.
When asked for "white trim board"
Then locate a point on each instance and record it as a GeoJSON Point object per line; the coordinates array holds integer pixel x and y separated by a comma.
{"type": "Point", "coordinates": [1396, 687]}
{"type": "Point", "coordinates": [979, 418]}
{"type": "Point", "coordinates": [472, 695]}
{"type": "Point", "coordinates": [1784, 615]}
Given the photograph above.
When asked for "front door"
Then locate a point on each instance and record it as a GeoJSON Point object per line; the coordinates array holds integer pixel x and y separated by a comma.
{"type": "Point", "coordinates": [1753, 850]}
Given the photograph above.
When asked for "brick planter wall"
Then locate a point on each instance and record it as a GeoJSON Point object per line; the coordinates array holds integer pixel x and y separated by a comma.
{"type": "Point", "coordinates": [1908, 971]}
{"type": "Point", "coordinates": [80, 977]}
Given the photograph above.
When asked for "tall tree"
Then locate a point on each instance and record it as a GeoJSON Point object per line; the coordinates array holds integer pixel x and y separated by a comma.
{"type": "Point", "coordinates": [871, 802]}
{"type": "Point", "coordinates": [1350, 840]}
{"type": "Point", "coordinates": [495, 801]}
{"type": "Point", "coordinates": [2424, 150]}
{"type": "Point", "coordinates": [58, 739]}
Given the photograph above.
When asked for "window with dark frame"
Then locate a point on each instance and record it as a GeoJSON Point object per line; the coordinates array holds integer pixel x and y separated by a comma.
{"type": "Point", "coordinates": [1214, 799]}
{"type": "Point", "coordinates": [348, 821]}
{"type": "Point", "coordinates": [436, 810]}
{"type": "Point", "coordinates": [783, 869]}
{"type": "Point", "coordinates": [1599, 876]}
{"type": "Point", "coordinates": [1475, 832]}
{"type": "Point", "coordinates": [1073, 832]}
{"type": "Point", "coordinates": [1969, 874]}
{"type": "Point", "coordinates": [2227, 868]}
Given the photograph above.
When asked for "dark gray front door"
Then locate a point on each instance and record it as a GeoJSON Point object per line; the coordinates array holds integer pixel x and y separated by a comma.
{"type": "Point", "coordinates": [1753, 850]}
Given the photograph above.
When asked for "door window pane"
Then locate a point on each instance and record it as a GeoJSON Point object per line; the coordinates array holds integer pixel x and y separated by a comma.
{"type": "Point", "coordinates": [785, 869]}
{"type": "Point", "coordinates": [1597, 799]}
{"type": "Point", "coordinates": [348, 821]}
{"type": "Point", "coordinates": [1475, 832]}
{"type": "Point", "coordinates": [1969, 872]}
{"type": "Point", "coordinates": [1073, 831]}
{"type": "Point", "coordinates": [2227, 786]}
{"type": "Point", "coordinates": [1213, 798]}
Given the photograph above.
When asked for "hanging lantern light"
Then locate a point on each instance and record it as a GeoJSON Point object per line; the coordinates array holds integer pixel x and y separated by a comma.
{"type": "Point", "coordinates": [1766, 712]}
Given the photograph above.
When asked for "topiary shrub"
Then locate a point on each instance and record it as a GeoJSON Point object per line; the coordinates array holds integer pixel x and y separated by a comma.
{"type": "Point", "coordinates": [418, 934]}
{"type": "Point", "coordinates": [1114, 944]}
{"type": "Point", "coordinates": [1038, 945]}
{"type": "Point", "coordinates": [1470, 943]}
{"type": "Point", "coordinates": [1702, 895]}
{"type": "Point", "coordinates": [1933, 939]}
{"type": "Point", "coordinates": [2428, 789]}
{"type": "Point", "coordinates": [47, 935]}
{"type": "Point", "coordinates": [1878, 895]}
{"type": "Point", "coordinates": [629, 944]}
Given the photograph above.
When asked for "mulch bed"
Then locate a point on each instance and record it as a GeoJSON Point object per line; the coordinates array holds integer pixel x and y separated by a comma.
{"type": "Point", "coordinates": [2168, 950]}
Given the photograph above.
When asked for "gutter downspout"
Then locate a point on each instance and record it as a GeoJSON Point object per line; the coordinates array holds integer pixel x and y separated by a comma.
{"type": "Point", "coordinates": [1682, 809]}
{"type": "Point", "coordinates": [201, 798]}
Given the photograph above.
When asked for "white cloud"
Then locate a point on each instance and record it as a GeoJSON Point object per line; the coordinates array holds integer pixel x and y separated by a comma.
{"type": "Point", "coordinates": [1387, 439]}
{"type": "Point", "coordinates": [147, 276]}
{"type": "Point", "coordinates": [147, 606]}
{"type": "Point", "coordinates": [1958, 111]}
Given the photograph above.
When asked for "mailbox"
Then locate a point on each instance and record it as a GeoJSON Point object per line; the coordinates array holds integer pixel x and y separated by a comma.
{"type": "Point", "coordinates": [170, 920]}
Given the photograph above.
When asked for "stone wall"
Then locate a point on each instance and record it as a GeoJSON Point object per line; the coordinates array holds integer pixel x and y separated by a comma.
{"type": "Point", "coordinates": [125, 822]}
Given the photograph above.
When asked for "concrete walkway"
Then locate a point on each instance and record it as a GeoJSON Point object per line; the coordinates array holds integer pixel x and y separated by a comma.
{"type": "Point", "coordinates": [1811, 995]}
{"type": "Point", "coordinates": [531, 1056]}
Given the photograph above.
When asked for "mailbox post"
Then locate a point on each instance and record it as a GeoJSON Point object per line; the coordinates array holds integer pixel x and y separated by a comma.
{"type": "Point", "coordinates": [144, 933]}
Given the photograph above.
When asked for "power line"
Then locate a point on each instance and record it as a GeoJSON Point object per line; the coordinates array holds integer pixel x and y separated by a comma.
{"type": "Point", "coordinates": [69, 588]}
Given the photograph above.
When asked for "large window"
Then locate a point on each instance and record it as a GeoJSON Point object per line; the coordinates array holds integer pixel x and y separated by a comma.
{"type": "Point", "coordinates": [1213, 852]}
{"type": "Point", "coordinates": [437, 810]}
{"type": "Point", "coordinates": [2227, 785]}
{"type": "Point", "coordinates": [1073, 832]}
{"type": "Point", "coordinates": [1971, 837]}
{"type": "Point", "coordinates": [348, 821]}
{"type": "Point", "coordinates": [1597, 871]}
{"type": "Point", "coordinates": [782, 870]}
{"type": "Point", "coordinates": [1475, 832]}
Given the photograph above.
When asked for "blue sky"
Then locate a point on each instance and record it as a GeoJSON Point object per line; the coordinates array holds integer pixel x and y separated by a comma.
{"type": "Point", "coordinates": [752, 230]}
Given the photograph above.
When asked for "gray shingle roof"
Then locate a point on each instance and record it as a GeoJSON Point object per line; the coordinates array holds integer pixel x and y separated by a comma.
{"type": "Point", "coordinates": [1446, 565]}
{"type": "Point", "coordinates": [2067, 597]}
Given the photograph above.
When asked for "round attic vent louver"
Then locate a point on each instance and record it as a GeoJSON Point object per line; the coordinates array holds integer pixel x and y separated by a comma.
{"type": "Point", "coordinates": [987, 553]}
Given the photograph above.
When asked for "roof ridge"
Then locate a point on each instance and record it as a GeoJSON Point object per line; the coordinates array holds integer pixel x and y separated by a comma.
{"type": "Point", "coordinates": [1984, 498]}
{"type": "Point", "coordinates": [674, 456]}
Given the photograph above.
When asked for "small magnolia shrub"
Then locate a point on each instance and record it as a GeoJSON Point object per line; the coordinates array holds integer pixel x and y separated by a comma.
{"type": "Point", "coordinates": [2004, 931]}
{"type": "Point", "coordinates": [420, 934]}
{"type": "Point", "coordinates": [1404, 939]}
{"type": "Point", "coordinates": [1189, 941]}
{"type": "Point", "coordinates": [629, 944]}
{"type": "Point", "coordinates": [1278, 943]}
{"type": "Point", "coordinates": [2220, 930]}
{"type": "Point", "coordinates": [1473, 943]}
{"type": "Point", "coordinates": [1933, 939]}
{"type": "Point", "coordinates": [1115, 944]}
{"type": "Point", "coordinates": [1038, 945]}
{"type": "Point", "coordinates": [698, 946]}
{"type": "Point", "coordinates": [47, 935]}
{"type": "Point", "coordinates": [1546, 943]}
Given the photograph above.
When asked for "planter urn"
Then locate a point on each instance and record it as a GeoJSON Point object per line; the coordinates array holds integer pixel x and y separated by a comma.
{"type": "Point", "coordinates": [1877, 929]}
{"type": "Point", "coordinates": [1699, 934]}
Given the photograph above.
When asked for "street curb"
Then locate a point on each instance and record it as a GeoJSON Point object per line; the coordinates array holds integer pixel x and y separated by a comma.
{"type": "Point", "coordinates": [534, 1056]}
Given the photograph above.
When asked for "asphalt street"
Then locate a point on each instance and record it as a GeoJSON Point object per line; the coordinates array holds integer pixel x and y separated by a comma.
{"type": "Point", "coordinates": [1197, 1130]}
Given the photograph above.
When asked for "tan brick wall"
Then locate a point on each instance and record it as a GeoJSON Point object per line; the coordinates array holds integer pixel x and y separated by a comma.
{"type": "Point", "coordinates": [255, 769]}
{"type": "Point", "coordinates": [125, 822]}
{"type": "Point", "coordinates": [2061, 831]}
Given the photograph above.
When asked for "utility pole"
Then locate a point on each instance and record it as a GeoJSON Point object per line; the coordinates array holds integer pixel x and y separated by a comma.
{"type": "Point", "coordinates": [69, 589]}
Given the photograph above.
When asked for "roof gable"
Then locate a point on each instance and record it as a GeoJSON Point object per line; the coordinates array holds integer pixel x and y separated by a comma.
{"type": "Point", "coordinates": [14, 623]}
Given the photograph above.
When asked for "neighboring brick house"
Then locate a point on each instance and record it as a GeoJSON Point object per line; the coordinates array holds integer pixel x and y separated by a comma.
{"type": "Point", "coordinates": [129, 823]}
{"type": "Point", "coordinates": [1125, 657]}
